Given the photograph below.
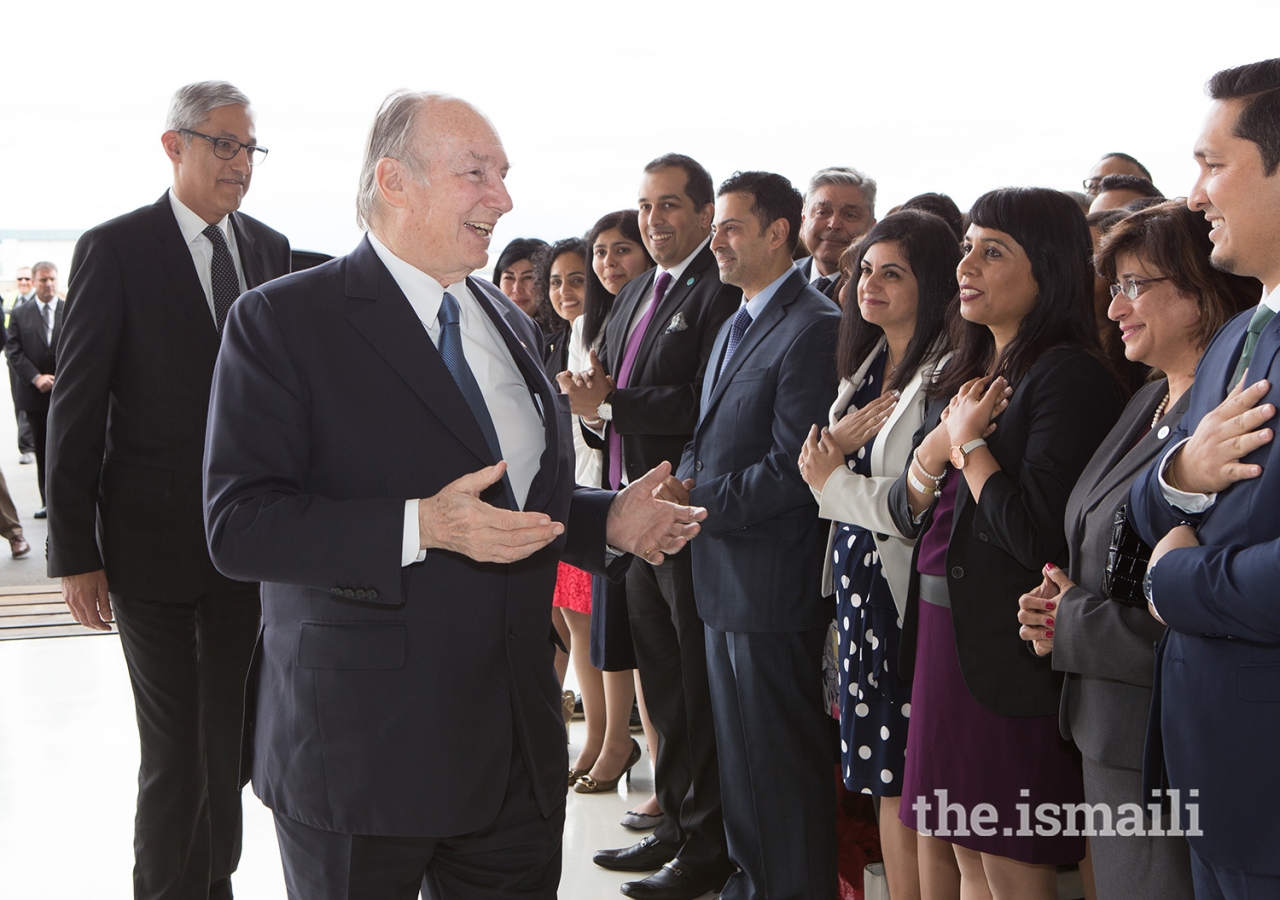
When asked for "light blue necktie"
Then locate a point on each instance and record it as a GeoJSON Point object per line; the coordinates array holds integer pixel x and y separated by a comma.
{"type": "Point", "coordinates": [1261, 316]}
{"type": "Point", "coordinates": [451, 351]}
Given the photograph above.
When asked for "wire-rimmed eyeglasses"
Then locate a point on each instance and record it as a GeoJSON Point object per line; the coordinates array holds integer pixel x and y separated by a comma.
{"type": "Point", "coordinates": [1131, 287]}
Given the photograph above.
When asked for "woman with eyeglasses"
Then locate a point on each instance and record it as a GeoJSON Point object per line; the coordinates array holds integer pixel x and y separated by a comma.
{"type": "Point", "coordinates": [1012, 421]}
{"type": "Point", "coordinates": [1167, 304]}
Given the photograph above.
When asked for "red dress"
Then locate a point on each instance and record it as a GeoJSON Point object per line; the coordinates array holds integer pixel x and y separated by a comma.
{"type": "Point", "coordinates": [573, 589]}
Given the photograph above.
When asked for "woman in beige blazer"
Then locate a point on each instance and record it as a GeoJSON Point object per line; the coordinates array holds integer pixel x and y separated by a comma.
{"type": "Point", "coordinates": [892, 345]}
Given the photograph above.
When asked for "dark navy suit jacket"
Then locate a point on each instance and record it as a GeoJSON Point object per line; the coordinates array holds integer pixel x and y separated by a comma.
{"type": "Point", "coordinates": [390, 699]}
{"type": "Point", "coordinates": [1217, 688]}
{"type": "Point", "coordinates": [757, 562]}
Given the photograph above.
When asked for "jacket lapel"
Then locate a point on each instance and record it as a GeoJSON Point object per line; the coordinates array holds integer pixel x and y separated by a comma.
{"type": "Point", "coordinates": [543, 484]}
{"type": "Point", "coordinates": [175, 258]}
{"type": "Point", "coordinates": [250, 259]}
{"type": "Point", "coordinates": [676, 295]}
{"type": "Point", "coordinates": [394, 330]}
{"type": "Point", "coordinates": [774, 312]}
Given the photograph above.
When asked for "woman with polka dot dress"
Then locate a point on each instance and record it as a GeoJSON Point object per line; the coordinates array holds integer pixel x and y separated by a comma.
{"type": "Point", "coordinates": [892, 345]}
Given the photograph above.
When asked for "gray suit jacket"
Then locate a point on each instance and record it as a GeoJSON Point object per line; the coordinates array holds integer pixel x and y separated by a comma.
{"type": "Point", "coordinates": [1106, 648]}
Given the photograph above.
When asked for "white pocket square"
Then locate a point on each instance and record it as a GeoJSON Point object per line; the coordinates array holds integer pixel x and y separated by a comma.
{"type": "Point", "coordinates": [678, 323]}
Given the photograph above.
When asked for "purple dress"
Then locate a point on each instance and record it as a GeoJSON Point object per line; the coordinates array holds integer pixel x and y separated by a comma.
{"type": "Point", "coordinates": [1016, 765]}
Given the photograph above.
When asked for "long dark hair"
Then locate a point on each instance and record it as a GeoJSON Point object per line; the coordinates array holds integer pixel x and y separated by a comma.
{"type": "Point", "coordinates": [1051, 229]}
{"type": "Point", "coordinates": [929, 246]}
{"type": "Point", "coordinates": [597, 302]}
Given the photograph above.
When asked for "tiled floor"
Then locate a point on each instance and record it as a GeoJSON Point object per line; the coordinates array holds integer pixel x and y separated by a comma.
{"type": "Point", "coordinates": [68, 764]}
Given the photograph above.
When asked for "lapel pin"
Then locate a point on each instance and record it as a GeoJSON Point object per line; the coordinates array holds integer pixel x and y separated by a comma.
{"type": "Point", "coordinates": [690, 281]}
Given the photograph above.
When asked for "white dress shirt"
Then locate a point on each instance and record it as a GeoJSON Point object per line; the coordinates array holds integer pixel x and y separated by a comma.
{"type": "Point", "coordinates": [47, 313]}
{"type": "Point", "coordinates": [515, 415]}
{"type": "Point", "coordinates": [192, 228]}
{"type": "Point", "coordinates": [1198, 503]}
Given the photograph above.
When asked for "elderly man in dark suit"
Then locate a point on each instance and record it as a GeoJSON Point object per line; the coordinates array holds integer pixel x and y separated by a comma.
{"type": "Point", "coordinates": [757, 569]}
{"type": "Point", "coordinates": [149, 294]}
{"type": "Point", "coordinates": [406, 511]}
{"type": "Point", "coordinates": [656, 346]}
{"type": "Point", "coordinates": [839, 208]}
{"type": "Point", "coordinates": [32, 338]}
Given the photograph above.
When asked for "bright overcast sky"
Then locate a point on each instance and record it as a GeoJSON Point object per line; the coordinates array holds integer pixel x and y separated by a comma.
{"type": "Point", "coordinates": [958, 97]}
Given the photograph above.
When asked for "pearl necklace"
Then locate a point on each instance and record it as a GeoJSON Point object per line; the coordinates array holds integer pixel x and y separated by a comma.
{"type": "Point", "coordinates": [1160, 409]}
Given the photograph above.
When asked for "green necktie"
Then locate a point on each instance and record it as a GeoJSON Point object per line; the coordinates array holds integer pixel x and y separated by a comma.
{"type": "Point", "coordinates": [1261, 316]}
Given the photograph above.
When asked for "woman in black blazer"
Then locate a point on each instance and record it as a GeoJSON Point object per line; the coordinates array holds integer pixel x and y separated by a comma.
{"type": "Point", "coordinates": [1031, 399]}
{"type": "Point", "coordinates": [1168, 302]}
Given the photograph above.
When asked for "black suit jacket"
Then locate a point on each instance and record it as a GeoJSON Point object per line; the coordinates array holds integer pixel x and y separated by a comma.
{"type": "Point", "coordinates": [390, 698]}
{"type": "Point", "coordinates": [127, 421]}
{"type": "Point", "coordinates": [30, 354]}
{"type": "Point", "coordinates": [656, 413]}
{"type": "Point", "coordinates": [1058, 414]}
{"type": "Point", "coordinates": [805, 266]}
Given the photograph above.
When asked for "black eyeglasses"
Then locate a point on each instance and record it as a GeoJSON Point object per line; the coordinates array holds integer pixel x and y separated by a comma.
{"type": "Point", "coordinates": [1130, 287]}
{"type": "Point", "coordinates": [225, 148]}
{"type": "Point", "coordinates": [23, 278]}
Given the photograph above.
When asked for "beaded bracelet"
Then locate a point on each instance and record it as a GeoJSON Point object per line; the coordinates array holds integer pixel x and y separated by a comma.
{"type": "Point", "coordinates": [917, 484]}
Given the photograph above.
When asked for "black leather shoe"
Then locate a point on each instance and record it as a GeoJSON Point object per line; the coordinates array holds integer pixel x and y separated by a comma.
{"type": "Point", "coordinates": [645, 856]}
{"type": "Point", "coordinates": [40, 514]}
{"type": "Point", "coordinates": [677, 881]}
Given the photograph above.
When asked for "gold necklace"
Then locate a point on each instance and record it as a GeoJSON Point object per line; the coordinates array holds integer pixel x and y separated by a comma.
{"type": "Point", "coordinates": [1160, 409]}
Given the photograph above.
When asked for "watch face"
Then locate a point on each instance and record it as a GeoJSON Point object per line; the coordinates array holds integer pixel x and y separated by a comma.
{"type": "Point", "coordinates": [958, 457]}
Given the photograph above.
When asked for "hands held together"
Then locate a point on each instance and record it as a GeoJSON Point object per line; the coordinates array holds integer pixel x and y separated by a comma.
{"type": "Point", "coordinates": [825, 451]}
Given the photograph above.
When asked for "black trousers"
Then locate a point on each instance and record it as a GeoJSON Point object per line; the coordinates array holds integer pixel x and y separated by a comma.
{"type": "Point", "coordinates": [39, 422]}
{"type": "Point", "coordinates": [517, 856]}
{"type": "Point", "coordinates": [776, 765]}
{"type": "Point", "coordinates": [187, 660]}
{"type": "Point", "coordinates": [671, 656]}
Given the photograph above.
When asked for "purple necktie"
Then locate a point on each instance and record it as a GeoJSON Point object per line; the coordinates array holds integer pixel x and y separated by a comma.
{"type": "Point", "coordinates": [624, 373]}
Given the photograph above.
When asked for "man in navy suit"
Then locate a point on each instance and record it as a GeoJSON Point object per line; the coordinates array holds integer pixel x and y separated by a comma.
{"type": "Point", "coordinates": [839, 208]}
{"type": "Point", "coordinates": [386, 455]}
{"type": "Point", "coordinates": [1210, 508]}
{"type": "Point", "coordinates": [758, 566]}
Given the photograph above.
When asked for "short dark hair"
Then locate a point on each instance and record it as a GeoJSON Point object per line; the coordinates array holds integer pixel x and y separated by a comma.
{"type": "Point", "coordinates": [1175, 240]}
{"type": "Point", "coordinates": [1146, 173]}
{"type": "Point", "coordinates": [1133, 183]}
{"type": "Point", "coordinates": [698, 187]}
{"type": "Point", "coordinates": [930, 248]}
{"type": "Point", "coordinates": [1258, 85]}
{"type": "Point", "coordinates": [542, 263]}
{"type": "Point", "coordinates": [775, 198]}
{"type": "Point", "coordinates": [597, 301]}
{"type": "Point", "coordinates": [516, 250]}
{"type": "Point", "coordinates": [941, 206]}
{"type": "Point", "coordinates": [1051, 230]}
{"type": "Point", "coordinates": [1105, 219]}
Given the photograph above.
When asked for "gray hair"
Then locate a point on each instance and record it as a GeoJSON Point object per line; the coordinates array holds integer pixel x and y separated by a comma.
{"type": "Point", "coordinates": [844, 175]}
{"type": "Point", "coordinates": [43, 266]}
{"type": "Point", "coordinates": [392, 135]}
{"type": "Point", "coordinates": [192, 103]}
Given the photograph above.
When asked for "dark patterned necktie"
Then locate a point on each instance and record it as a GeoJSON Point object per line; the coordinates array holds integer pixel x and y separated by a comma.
{"type": "Point", "coordinates": [821, 283]}
{"type": "Point", "coordinates": [222, 274]}
{"type": "Point", "coordinates": [1261, 316]}
{"type": "Point", "coordinates": [450, 348]}
{"type": "Point", "coordinates": [741, 322]}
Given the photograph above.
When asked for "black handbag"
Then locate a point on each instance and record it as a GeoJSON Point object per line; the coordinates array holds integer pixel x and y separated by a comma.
{"type": "Point", "coordinates": [1127, 558]}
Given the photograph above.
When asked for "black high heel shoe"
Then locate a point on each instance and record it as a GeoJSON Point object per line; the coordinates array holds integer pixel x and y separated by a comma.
{"type": "Point", "coordinates": [588, 785]}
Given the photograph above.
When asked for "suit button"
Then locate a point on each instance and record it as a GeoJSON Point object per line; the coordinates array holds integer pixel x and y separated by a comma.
{"type": "Point", "coordinates": [983, 537]}
{"type": "Point", "coordinates": [511, 634]}
{"type": "Point", "coordinates": [360, 594]}
{"type": "Point", "coordinates": [371, 594]}
{"type": "Point", "coordinates": [697, 465]}
{"type": "Point", "coordinates": [349, 594]}
{"type": "Point", "coordinates": [957, 572]}
{"type": "Point", "coordinates": [337, 591]}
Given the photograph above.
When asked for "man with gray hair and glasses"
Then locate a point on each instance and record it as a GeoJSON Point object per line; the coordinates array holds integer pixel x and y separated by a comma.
{"type": "Point", "coordinates": [839, 208]}
{"type": "Point", "coordinates": [149, 293]}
